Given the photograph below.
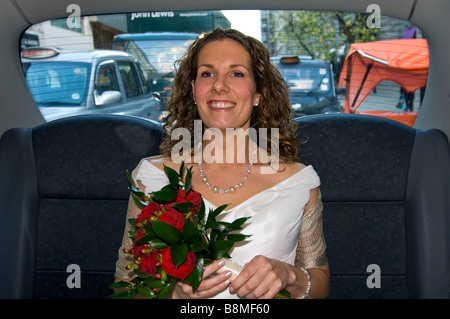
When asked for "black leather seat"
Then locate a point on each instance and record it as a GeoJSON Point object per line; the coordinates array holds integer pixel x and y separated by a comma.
{"type": "Point", "coordinates": [63, 201]}
{"type": "Point", "coordinates": [386, 194]}
{"type": "Point", "coordinates": [385, 187]}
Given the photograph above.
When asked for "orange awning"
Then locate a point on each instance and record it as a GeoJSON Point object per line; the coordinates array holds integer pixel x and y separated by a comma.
{"type": "Point", "coordinates": [367, 64]}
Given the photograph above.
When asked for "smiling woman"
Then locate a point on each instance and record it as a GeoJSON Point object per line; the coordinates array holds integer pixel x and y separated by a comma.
{"type": "Point", "coordinates": [219, 82]}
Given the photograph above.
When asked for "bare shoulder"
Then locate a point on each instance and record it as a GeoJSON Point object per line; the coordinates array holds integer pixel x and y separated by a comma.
{"type": "Point", "coordinates": [293, 168]}
{"type": "Point", "coordinates": [283, 170]}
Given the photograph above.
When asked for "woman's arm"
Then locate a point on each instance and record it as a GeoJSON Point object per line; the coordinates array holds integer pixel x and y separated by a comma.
{"type": "Point", "coordinates": [264, 277]}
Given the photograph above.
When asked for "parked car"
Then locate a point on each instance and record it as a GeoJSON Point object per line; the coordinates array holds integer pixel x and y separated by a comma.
{"type": "Point", "coordinates": [311, 84]}
{"type": "Point", "coordinates": [68, 83]}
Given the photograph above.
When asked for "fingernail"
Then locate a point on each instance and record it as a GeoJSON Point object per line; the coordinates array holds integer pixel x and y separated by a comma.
{"type": "Point", "coordinates": [228, 274]}
{"type": "Point", "coordinates": [221, 263]}
{"type": "Point", "coordinates": [226, 282]}
{"type": "Point", "coordinates": [231, 290]}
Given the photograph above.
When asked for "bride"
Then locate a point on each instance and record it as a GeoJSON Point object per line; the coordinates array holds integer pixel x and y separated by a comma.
{"type": "Point", "coordinates": [227, 81]}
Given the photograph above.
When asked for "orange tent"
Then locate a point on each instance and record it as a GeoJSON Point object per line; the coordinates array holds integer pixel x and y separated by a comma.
{"type": "Point", "coordinates": [367, 64]}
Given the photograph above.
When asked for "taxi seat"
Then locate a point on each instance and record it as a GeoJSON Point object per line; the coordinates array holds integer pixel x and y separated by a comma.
{"type": "Point", "coordinates": [63, 199]}
{"type": "Point", "coordinates": [63, 203]}
{"type": "Point", "coordinates": [386, 193]}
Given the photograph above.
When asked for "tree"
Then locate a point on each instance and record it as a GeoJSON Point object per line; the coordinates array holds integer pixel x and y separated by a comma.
{"type": "Point", "coordinates": [320, 34]}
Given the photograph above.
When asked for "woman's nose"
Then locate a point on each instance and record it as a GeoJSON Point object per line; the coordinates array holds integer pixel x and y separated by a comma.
{"type": "Point", "coordinates": [220, 85]}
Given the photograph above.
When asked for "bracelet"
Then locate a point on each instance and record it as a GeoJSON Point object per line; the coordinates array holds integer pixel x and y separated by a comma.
{"type": "Point", "coordinates": [309, 283]}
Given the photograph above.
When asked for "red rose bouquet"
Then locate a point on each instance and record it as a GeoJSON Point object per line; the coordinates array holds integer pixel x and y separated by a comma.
{"type": "Point", "coordinates": [173, 238]}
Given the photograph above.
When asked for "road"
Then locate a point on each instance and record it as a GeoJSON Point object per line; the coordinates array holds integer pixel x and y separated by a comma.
{"type": "Point", "coordinates": [385, 99]}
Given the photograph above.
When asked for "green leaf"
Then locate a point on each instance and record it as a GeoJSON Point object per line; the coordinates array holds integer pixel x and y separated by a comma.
{"type": "Point", "coordinates": [132, 234]}
{"type": "Point", "coordinates": [132, 186]}
{"type": "Point", "coordinates": [144, 290]}
{"type": "Point", "coordinates": [239, 222]}
{"type": "Point", "coordinates": [140, 275]}
{"type": "Point", "coordinates": [190, 231]}
{"type": "Point", "coordinates": [165, 195]}
{"type": "Point", "coordinates": [188, 180]}
{"type": "Point", "coordinates": [158, 243]}
{"type": "Point", "coordinates": [183, 207]}
{"type": "Point", "coordinates": [168, 187]}
{"type": "Point", "coordinates": [173, 177]}
{"type": "Point", "coordinates": [165, 291]}
{"type": "Point", "coordinates": [132, 222]}
{"type": "Point", "coordinates": [144, 240]}
{"type": "Point", "coordinates": [138, 201]}
{"type": "Point", "coordinates": [214, 213]}
{"type": "Point", "coordinates": [237, 237]}
{"type": "Point", "coordinates": [130, 180]}
{"type": "Point", "coordinates": [215, 235]}
{"type": "Point", "coordinates": [196, 275]}
{"type": "Point", "coordinates": [236, 225]}
{"type": "Point", "coordinates": [193, 237]}
{"type": "Point", "coordinates": [216, 225]}
{"type": "Point", "coordinates": [181, 171]}
{"type": "Point", "coordinates": [200, 216]}
{"type": "Point", "coordinates": [178, 252]}
{"type": "Point", "coordinates": [154, 283]}
{"type": "Point", "coordinates": [127, 294]}
{"type": "Point", "coordinates": [220, 248]}
{"type": "Point", "coordinates": [166, 232]}
{"type": "Point", "coordinates": [120, 285]}
{"type": "Point", "coordinates": [149, 231]}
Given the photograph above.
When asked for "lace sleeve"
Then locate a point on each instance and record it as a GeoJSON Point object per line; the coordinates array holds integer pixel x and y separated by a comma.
{"type": "Point", "coordinates": [311, 242]}
{"type": "Point", "coordinates": [123, 258]}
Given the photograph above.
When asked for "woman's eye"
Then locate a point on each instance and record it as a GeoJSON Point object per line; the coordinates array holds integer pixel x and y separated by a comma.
{"type": "Point", "coordinates": [238, 74]}
{"type": "Point", "coordinates": [206, 74]}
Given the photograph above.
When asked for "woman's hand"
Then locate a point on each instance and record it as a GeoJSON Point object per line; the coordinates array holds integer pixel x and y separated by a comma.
{"type": "Point", "coordinates": [208, 286]}
{"type": "Point", "coordinates": [262, 278]}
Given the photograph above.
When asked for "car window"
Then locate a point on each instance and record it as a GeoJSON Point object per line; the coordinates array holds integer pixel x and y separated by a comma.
{"type": "Point", "coordinates": [57, 83]}
{"type": "Point", "coordinates": [130, 79]}
{"type": "Point", "coordinates": [106, 78]}
{"type": "Point", "coordinates": [324, 79]}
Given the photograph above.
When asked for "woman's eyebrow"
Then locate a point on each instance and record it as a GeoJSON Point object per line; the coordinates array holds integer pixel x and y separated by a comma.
{"type": "Point", "coordinates": [210, 66]}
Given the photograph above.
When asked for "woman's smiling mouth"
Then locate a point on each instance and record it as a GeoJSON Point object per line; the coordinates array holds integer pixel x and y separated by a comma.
{"type": "Point", "coordinates": [221, 104]}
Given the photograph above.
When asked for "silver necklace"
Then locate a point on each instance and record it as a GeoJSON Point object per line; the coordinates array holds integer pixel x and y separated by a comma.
{"type": "Point", "coordinates": [231, 189]}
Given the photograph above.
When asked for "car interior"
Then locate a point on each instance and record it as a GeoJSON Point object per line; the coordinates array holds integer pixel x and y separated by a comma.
{"type": "Point", "coordinates": [385, 185]}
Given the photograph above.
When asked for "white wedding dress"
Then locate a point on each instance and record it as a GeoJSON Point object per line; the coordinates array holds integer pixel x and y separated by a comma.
{"type": "Point", "coordinates": [276, 215]}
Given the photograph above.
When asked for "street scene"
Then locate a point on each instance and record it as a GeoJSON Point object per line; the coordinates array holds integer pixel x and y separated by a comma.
{"type": "Point", "coordinates": [385, 97]}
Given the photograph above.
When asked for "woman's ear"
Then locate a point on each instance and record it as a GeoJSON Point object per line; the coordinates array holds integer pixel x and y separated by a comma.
{"type": "Point", "coordinates": [257, 99]}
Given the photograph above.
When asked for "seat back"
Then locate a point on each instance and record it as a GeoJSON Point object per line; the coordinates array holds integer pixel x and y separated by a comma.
{"type": "Point", "coordinates": [386, 197]}
{"type": "Point", "coordinates": [63, 203]}
{"type": "Point", "coordinates": [63, 200]}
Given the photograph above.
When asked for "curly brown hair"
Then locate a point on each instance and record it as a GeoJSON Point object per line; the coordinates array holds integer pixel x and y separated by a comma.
{"type": "Point", "coordinates": [274, 109]}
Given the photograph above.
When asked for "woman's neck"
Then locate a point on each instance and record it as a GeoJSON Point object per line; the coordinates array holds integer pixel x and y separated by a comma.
{"type": "Point", "coordinates": [227, 146]}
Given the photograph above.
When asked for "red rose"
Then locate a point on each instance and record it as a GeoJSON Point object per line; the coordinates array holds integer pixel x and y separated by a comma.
{"type": "Point", "coordinates": [136, 251]}
{"type": "Point", "coordinates": [173, 217]}
{"type": "Point", "coordinates": [192, 196]}
{"type": "Point", "coordinates": [181, 271]}
{"type": "Point", "coordinates": [148, 263]}
{"type": "Point", "coordinates": [147, 212]}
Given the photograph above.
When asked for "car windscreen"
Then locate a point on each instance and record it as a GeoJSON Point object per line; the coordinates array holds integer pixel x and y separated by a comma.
{"type": "Point", "coordinates": [307, 80]}
{"type": "Point", "coordinates": [57, 83]}
{"type": "Point", "coordinates": [162, 54]}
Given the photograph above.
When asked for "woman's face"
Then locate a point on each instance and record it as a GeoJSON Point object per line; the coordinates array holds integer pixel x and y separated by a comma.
{"type": "Point", "coordinates": [224, 88]}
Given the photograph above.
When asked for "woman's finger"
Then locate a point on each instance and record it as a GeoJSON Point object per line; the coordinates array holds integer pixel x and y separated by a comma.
{"type": "Point", "coordinates": [213, 267]}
